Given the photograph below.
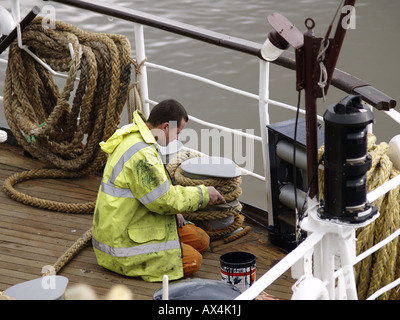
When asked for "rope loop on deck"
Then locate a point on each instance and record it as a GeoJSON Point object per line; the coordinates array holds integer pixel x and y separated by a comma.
{"type": "Point", "coordinates": [63, 128]}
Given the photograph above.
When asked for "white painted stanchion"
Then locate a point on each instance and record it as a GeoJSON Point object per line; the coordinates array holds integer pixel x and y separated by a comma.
{"type": "Point", "coordinates": [3, 136]}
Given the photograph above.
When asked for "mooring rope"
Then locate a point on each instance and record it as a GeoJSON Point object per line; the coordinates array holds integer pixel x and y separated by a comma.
{"type": "Point", "coordinates": [228, 187]}
{"type": "Point", "coordinates": [382, 267]}
{"type": "Point", "coordinates": [64, 136]}
{"type": "Point", "coordinates": [70, 253]}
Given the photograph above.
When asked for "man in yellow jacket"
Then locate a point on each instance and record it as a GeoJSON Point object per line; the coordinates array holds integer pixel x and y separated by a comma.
{"type": "Point", "coordinates": [137, 222]}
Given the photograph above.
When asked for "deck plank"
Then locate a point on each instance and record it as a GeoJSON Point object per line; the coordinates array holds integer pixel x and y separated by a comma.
{"type": "Point", "coordinates": [31, 238]}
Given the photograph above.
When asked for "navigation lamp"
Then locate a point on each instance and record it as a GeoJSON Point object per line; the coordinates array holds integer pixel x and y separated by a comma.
{"type": "Point", "coordinates": [273, 46]}
{"type": "Point", "coordinates": [283, 35]}
{"type": "Point", "coordinates": [346, 162]}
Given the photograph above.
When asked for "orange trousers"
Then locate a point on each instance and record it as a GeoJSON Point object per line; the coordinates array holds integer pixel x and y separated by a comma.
{"type": "Point", "coordinates": [194, 240]}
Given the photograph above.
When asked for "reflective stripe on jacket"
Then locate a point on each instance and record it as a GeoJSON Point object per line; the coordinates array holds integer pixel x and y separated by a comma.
{"type": "Point", "coordinates": [134, 225]}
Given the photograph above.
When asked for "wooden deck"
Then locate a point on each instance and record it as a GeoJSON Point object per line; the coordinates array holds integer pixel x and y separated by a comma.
{"type": "Point", "coordinates": [31, 238]}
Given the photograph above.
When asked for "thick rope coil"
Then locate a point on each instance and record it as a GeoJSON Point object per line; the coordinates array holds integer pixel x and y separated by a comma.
{"type": "Point", "coordinates": [382, 267]}
{"type": "Point", "coordinates": [40, 116]}
{"type": "Point", "coordinates": [178, 159]}
{"type": "Point", "coordinates": [229, 189]}
{"type": "Point", "coordinates": [208, 214]}
{"type": "Point", "coordinates": [65, 136]}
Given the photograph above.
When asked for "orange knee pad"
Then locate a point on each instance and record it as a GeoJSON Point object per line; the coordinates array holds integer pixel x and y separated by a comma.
{"type": "Point", "coordinates": [194, 236]}
{"type": "Point", "coordinates": [191, 260]}
{"type": "Point", "coordinates": [193, 240]}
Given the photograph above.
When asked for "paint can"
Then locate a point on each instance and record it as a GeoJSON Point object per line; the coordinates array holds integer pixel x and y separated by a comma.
{"type": "Point", "coordinates": [238, 268]}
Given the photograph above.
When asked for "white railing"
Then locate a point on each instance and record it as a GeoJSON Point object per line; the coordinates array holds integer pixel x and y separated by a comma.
{"type": "Point", "coordinates": [315, 257]}
{"type": "Point", "coordinates": [312, 260]}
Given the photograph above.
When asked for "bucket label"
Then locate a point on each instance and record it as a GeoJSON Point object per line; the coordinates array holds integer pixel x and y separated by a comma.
{"type": "Point", "coordinates": [242, 278]}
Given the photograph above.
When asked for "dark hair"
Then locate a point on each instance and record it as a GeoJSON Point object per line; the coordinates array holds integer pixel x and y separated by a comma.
{"type": "Point", "coordinates": [167, 110]}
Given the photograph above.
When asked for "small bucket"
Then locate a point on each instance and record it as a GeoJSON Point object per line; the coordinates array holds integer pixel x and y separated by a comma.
{"type": "Point", "coordinates": [239, 269]}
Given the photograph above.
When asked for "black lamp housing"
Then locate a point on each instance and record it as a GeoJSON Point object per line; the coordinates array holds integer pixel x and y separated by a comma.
{"type": "Point", "coordinates": [346, 162]}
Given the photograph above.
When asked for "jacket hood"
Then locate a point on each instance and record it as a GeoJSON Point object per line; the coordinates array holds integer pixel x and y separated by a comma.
{"type": "Point", "coordinates": [138, 124]}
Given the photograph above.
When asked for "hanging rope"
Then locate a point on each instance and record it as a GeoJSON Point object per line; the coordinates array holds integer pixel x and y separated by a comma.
{"type": "Point", "coordinates": [134, 101]}
{"type": "Point", "coordinates": [63, 135]}
{"type": "Point", "coordinates": [229, 189]}
{"type": "Point", "coordinates": [382, 267]}
{"type": "Point", "coordinates": [323, 76]}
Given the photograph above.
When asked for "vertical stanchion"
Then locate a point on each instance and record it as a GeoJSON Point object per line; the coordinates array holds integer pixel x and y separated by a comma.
{"type": "Point", "coordinates": [264, 121]}
{"type": "Point", "coordinates": [142, 76]}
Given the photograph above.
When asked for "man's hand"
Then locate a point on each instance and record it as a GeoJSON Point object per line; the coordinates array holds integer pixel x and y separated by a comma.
{"type": "Point", "coordinates": [215, 197]}
{"type": "Point", "coordinates": [181, 220]}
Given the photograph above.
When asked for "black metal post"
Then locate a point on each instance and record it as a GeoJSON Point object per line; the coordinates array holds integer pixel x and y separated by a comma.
{"type": "Point", "coordinates": [311, 107]}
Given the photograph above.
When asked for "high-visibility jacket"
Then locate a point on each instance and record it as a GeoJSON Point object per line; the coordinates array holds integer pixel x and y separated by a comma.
{"type": "Point", "coordinates": [134, 224]}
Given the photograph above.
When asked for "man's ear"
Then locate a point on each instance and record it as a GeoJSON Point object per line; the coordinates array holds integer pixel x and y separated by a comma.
{"type": "Point", "coordinates": [164, 125]}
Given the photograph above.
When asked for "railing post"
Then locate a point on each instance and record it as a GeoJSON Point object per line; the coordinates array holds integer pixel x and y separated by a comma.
{"type": "Point", "coordinates": [264, 121]}
{"type": "Point", "coordinates": [327, 261]}
{"type": "Point", "coordinates": [142, 76]}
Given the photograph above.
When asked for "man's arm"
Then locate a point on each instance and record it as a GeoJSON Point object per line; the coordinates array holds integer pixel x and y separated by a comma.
{"type": "Point", "coordinates": [151, 186]}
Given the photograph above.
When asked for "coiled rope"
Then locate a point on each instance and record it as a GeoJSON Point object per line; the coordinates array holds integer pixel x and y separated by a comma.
{"type": "Point", "coordinates": [64, 136]}
{"type": "Point", "coordinates": [382, 267]}
{"type": "Point", "coordinates": [229, 189]}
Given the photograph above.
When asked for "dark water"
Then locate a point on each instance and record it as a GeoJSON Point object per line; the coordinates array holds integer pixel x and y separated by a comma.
{"type": "Point", "coordinates": [371, 52]}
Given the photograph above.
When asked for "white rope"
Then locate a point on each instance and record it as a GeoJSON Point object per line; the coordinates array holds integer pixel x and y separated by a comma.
{"type": "Point", "coordinates": [323, 76]}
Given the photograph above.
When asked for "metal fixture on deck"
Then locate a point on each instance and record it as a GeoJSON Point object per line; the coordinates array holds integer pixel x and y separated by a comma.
{"type": "Point", "coordinates": [346, 162]}
{"type": "Point", "coordinates": [283, 170]}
